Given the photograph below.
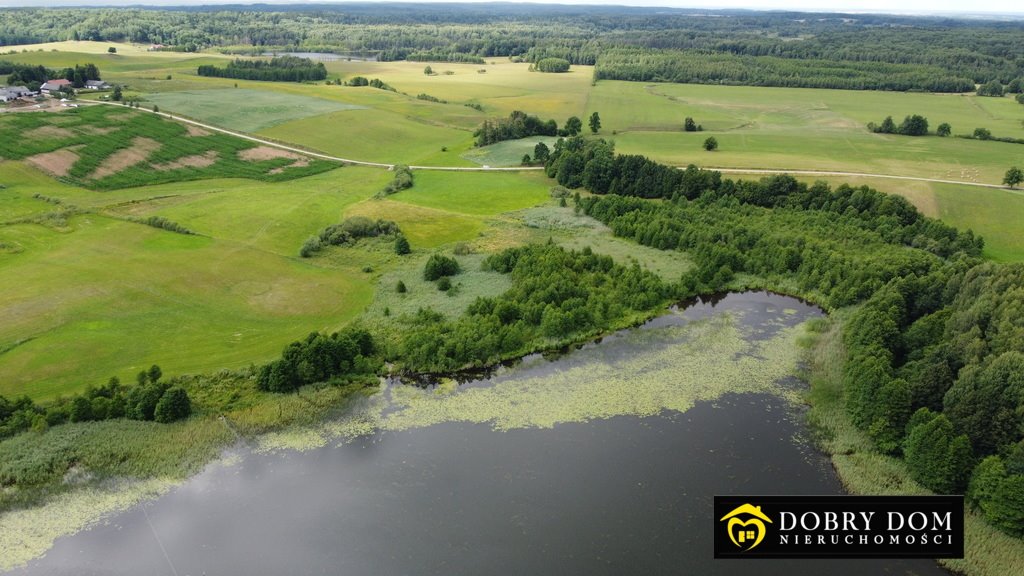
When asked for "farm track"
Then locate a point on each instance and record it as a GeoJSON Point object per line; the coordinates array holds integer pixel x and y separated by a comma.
{"type": "Point", "coordinates": [350, 161]}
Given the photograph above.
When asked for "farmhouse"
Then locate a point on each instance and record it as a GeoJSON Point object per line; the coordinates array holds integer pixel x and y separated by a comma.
{"type": "Point", "coordinates": [96, 85]}
{"type": "Point", "coordinates": [13, 93]}
{"type": "Point", "coordinates": [51, 86]}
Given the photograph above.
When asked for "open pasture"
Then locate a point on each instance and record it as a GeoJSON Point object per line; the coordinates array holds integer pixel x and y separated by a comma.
{"type": "Point", "coordinates": [243, 109]}
{"type": "Point", "coordinates": [105, 297]}
{"type": "Point", "coordinates": [789, 128]}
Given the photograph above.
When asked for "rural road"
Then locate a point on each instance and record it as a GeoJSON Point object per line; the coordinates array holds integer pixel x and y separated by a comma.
{"type": "Point", "coordinates": [528, 168]}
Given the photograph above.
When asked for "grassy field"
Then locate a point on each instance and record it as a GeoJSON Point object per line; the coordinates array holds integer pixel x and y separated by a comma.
{"type": "Point", "coordinates": [808, 129]}
{"type": "Point", "coordinates": [245, 109]}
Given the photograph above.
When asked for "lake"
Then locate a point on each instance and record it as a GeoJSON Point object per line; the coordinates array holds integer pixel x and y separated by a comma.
{"type": "Point", "coordinates": [602, 460]}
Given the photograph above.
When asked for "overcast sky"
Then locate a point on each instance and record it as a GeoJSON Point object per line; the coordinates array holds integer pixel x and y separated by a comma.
{"type": "Point", "coordinates": [891, 6]}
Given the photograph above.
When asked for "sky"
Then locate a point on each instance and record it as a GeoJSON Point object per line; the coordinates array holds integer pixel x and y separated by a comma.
{"type": "Point", "coordinates": [886, 6]}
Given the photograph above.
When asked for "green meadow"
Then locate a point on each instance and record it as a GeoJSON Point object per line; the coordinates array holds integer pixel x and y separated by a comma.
{"type": "Point", "coordinates": [245, 109]}
{"type": "Point", "coordinates": [88, 292]}
{"type": "Point", "coordinates": [808, 129]}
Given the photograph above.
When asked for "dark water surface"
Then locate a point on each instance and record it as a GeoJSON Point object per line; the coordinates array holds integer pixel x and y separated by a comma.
{"type": "Point", "coordinates": [623, 495]}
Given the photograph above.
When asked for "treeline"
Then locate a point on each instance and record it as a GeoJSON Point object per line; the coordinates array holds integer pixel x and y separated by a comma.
{"type": "Point", "coordinates": [556, 295]}
{"type": "Point", "coordinates": [696, 67]}
{"type": "Point", "coordinates": [435, 55]}
{"type": "Point", "coordinates": [834, 43]}
{"type": "Point", "coordinates": [277, 69]}
{"type": "Point", "coordinates": [913, 125]}
{"type": "Point", "coordinates": [521, 125]}
{"type": "Point", "coordinates": [148, 399]}
{"type": "Point", "coordinates": [345, 355]}
{"type": "Point", "coordinates": [348, 232]}
{"type": "Point", "coordinates": [33, 76]}
{"type": "Point", "coordinates": [935, 351]}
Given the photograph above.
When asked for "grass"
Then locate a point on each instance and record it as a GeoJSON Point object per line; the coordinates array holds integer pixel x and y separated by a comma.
{"type": "Point", "coordinates": [476, 193]}
{"type": "Point", "coordinates": [507, 153]}
{"type": "Point", "coordinates": [504, 87]}
{"type": "Point", "coordinates": [245, 110]}
{"type": "Point", "coordinates": [807, 129]}
{"type": "Point", "coordinates": [863, 470]}
{"type": "Point", "coordinates": [375, 135]}
{"type": "Point", "coordinates": [104, 296]}
{"type": "Point", "coordinates": [278, 216]}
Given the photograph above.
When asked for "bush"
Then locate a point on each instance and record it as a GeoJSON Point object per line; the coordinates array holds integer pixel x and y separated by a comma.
{"type": "Point", "coordinates": [439, 266]}
{"type": "Point", "coordinates": [402, 245]}
{"type": "Point", "coordinates": [400, 287]}
{"type": "Point", "coordinates": [174, 405]}
{"type": "Point", "coordinates": [991, 88]}
{"type": "Point", "coordinates": [711, 144]}
{"type": "Point", "coordinates": [444, 284]}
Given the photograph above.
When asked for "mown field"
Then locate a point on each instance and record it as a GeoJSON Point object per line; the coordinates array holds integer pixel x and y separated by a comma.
{"type": "Point", "coordinates": [806, 129]}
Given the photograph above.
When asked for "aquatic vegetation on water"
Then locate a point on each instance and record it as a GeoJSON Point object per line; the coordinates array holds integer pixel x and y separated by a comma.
{"type": "Point", "coordinates": [27, 534]}
{"type": "Point", "coordinates": [637, 373]}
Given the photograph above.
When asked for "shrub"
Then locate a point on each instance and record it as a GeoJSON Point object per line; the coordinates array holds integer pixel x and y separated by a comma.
{"type": "Point", "coordinates": [439, 266]}
{"type": "Point", "coordinates": [173, 405]}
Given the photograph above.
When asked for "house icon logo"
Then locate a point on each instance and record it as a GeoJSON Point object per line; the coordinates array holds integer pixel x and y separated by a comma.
{"type": "Point", "coordinates": [745, 526]}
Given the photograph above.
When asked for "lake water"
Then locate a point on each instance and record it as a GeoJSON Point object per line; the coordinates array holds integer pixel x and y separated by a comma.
{"type": "Point", "coordinates": [601, 485]}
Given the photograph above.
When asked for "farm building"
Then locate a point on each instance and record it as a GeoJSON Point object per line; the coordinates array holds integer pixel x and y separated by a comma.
{"type": "Point", "coordinates": [96, 85]}
{"type": "Point", "coordinates": [51, 86]}
{"type": "Point", "coordinates": [13, 93]}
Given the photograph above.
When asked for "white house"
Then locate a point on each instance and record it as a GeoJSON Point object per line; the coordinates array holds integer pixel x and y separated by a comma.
{"type": "Point", "coordinates": [96, 85]}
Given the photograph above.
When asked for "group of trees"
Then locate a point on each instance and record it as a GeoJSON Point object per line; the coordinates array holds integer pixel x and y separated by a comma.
{"type": "Point", "coordinates": [913, 125]}
{"type": "Point", "coordinates": [375, 83]}
{"type": "Point", "coordinates": [689, 125]}
{"type": "Point", "coordinates": [350, 353]}
{"type": "Point", "coordinates": [555, 295]}
{"type": "Point", "coordinates": [277, 69]}
{"type": "Point", "coordinates": [551, 65]}
{"type": "Point", "coordinates": [34, 76]}
{"type": "Point", "coordinates": [149, 399]}
{"type": "Point", "coordinates": [348, 232]}
{"type": "Point", "coordinates": [520, 125]}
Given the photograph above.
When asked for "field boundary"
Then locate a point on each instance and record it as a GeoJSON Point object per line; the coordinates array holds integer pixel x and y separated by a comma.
{"type": "Point", "coordinates": [322, 156]}
{"type": "Point", "coordinates": [293, 148]}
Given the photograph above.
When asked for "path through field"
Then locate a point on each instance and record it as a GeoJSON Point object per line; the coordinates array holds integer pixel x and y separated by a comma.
{"type": "Point", "coordinates": [533, 168]}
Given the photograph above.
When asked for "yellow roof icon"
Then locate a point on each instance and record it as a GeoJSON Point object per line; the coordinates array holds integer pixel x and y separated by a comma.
{"type": "Point", "coordinates": [747, 509]}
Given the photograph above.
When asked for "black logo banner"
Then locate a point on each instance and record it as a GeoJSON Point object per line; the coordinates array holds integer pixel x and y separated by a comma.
{"type": "Point", "coordinates": [839, 526]}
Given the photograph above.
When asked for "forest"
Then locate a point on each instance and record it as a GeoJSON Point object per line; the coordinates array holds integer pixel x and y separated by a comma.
{"type": "Point", "coordinates": [277, 69]}
{"type": "Point", "coordinates": [935, 346]}
{"type": "Point", "coordinates": [854, 51]}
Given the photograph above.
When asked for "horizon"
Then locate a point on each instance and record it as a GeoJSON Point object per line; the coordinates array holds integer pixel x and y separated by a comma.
{"type": "Point", "coordinates": [897, 7]}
